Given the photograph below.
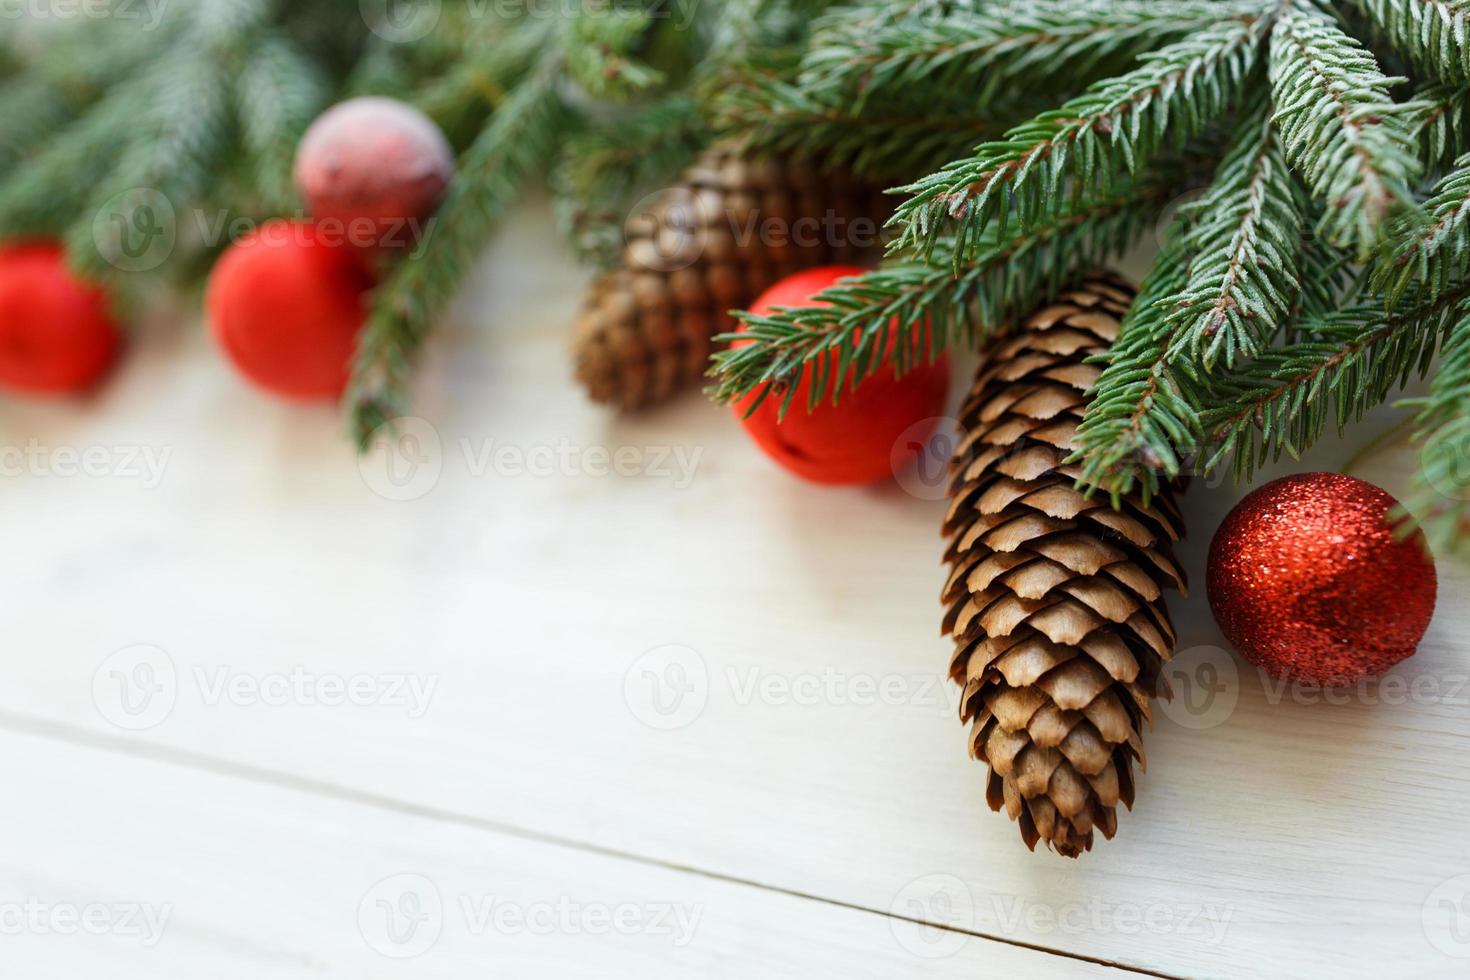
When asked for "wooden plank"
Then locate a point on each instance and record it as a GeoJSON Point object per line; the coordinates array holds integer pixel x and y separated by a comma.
{"type": "Point", "coordinates": [825, 758]}
{"type": "Point", "coordinates": [134, 868]}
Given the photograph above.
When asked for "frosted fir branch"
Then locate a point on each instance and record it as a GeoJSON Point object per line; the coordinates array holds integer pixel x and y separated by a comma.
{"type": "Point", "coordinates": [1443, 124]}
{"type": "Point", "coordinates": [1433, 34]}
{"type": "Point", "coordinates": [1089, 144]}
{"type": "Point", "coordinates": [884, 140]}
{"type": "Point", "coordinates": [1244, 239]}
{"type": "Point", "coordinates": [1283, 401]}
{"type": "Point", "coordinates": [1432, 254]}
{"type": "Point", "coordinates": [1441, 497]}
{"type": "Point", "coordinates": [278, 94]}
{"type": "Point", "coordinates": [1046, 44]}
{"type": "Point", "coordinates": [513, 149]}
{"type": "Point", "coordinates": [1356, 147]}
{"type": "Point", "coordinates": [996, 285]}
{"type": "Point", "coordinates": [1142, 421]}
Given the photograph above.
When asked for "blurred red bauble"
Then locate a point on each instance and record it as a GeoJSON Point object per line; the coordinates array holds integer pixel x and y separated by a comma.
{"type": "Point", "coordinates": [1308, 581]}
{"type": "Point", "coordinates": [372, 170]}
{"type": "Point", "coordinates": [850, 442]}
{"type": "Point", "coordinates": [56, 335]}
{"type": "Point", "coordinates": [286, 306]}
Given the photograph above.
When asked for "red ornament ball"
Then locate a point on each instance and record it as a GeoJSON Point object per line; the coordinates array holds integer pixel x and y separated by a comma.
{"type": "Point", "coordinates": [372, 169]}
{"type": "Point", "coordinates": [1309, 582]}
{"type": "Point", "coordinates": [56, 335]}
{"type": "Point", "coordinates": [286, 307]}
{"type": "Point", "coordinates": [850, 442]}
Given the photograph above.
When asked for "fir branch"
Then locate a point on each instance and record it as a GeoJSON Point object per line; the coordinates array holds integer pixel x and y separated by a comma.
{"type": "Point", "coordinates": [34, 109]}
{"type": "Point", "coordinates": [1002, 278]}
{"type": "Point", "coordinates": [1244, 238]}
{"type": "Point", "coordinates": [605, 169]}
{"type": "Point", "coordinates": [1441, 499]}
{"type": "Point", "coordinates": [1443, 125]}
{"type": "Point", "coordinates": [1355, 146]}
{"type": "Point", "coordinates": [886, 140]}
{"type": "Point", "coordinates": [1142, 420]}
{"type": "Point", "coordinates": [1283, 401]}
{"type": "Point", "coordinates": [1116, 128]}
{"type": "Point", "coordinates": [278, 94]}
{"type": "Point", "coordinates": [1434, 255]}
{"type": "Point", "coordinates": [51, 186]}
{"type": "Point", "coordinates": [599, 51]}
{"type": "Point", "coordinates": [1433, 34]}
{"type": "Point", "coordinates": [1042, 44]}
{"type": "Point", "coordinates": [514, 148]}
{"type": "Point", "coordinates": [184, 133]}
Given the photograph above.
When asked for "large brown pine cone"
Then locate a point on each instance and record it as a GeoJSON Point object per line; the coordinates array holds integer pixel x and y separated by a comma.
{"type": "Point", "coordinates": [733, 227]}
{"type": "Point", "coordinates": [1054, 599]}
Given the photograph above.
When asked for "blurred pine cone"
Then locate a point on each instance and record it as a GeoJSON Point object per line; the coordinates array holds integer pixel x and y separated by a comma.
{"type": "Point", "coordinates": [735, 225]}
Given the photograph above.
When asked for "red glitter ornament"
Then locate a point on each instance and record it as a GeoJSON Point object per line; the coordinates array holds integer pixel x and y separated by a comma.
{"type": "Point", "coordinates": [1308, 581]}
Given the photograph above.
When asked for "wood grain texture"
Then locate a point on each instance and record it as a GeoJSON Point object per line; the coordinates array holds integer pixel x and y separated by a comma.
{"type": "Point", "coordinates": [816, 749]}
{"type": "Point", "coordinates": [186, 874]}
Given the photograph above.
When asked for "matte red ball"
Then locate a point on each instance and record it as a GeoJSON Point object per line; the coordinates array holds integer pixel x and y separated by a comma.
{"type": "Point", "coordinates": [850, 442]}
{"type": "Point", "coordinates": [286, 306]}
{"type": "Point", "coordinates": [1309, 582]}
{"type": "Point", "coordinates": [373, 169]}
{"type": "Point", "coordinates": [56, 335]}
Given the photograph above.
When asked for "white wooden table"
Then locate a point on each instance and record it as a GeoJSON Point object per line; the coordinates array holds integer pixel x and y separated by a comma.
{"type": "Point", "coordinates": [262, 720]}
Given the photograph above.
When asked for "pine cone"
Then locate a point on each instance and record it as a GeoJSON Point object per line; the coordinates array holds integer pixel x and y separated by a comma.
{"type": "Point", "coordinates": [735, 226]}
{"type": "Point", "coordinates": [1054, 599]}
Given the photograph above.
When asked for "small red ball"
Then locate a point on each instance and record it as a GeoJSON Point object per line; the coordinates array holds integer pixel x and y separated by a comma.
{"type": "Point", "coordinates": [1309, 582]}
{"type": "Point", "coordinates": [286, 306]}
{"type": "Point", "coordinates": [850, 442]}
{"type": "Point", "coordinates": [373, 169]}
{"type": "Point", "coordinates": [56, 335]}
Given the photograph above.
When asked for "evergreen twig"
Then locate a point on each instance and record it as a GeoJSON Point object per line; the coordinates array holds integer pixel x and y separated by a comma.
{"type": "Point", "coordinates": [1000, 279]}
{"type": "Point", "coordinates": [515, 147]}
{"type": "Point", "coordinates": [1356, 146]}
{"type": "Point", "coordinates": [1089, 143]}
